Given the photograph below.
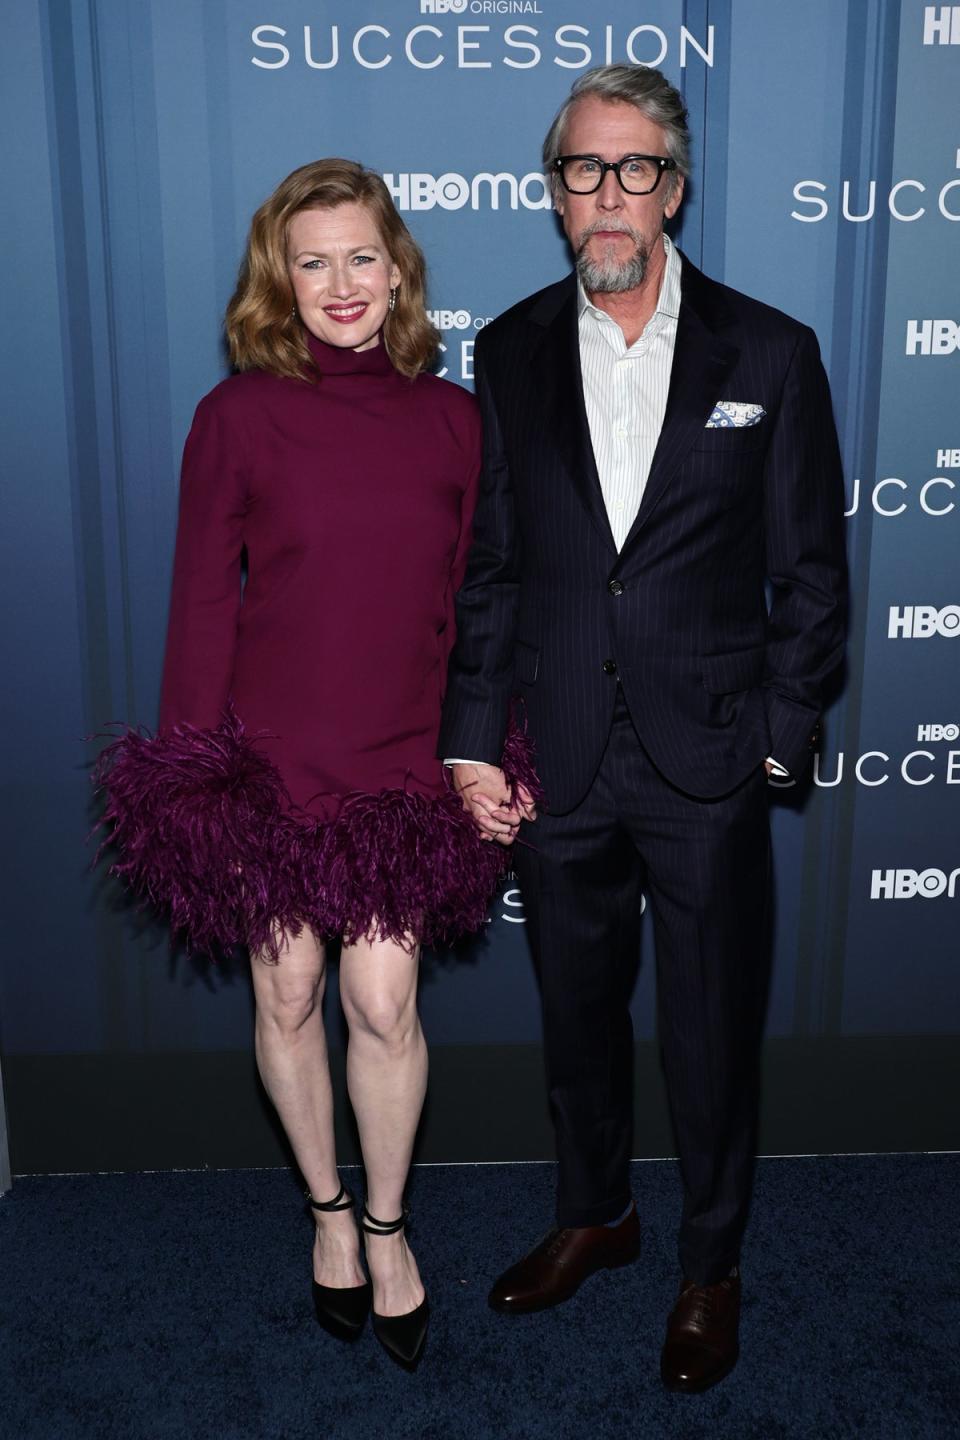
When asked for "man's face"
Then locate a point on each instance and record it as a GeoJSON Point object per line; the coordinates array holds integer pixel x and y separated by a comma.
{"type": "Point", "coordinates": [612, 233]}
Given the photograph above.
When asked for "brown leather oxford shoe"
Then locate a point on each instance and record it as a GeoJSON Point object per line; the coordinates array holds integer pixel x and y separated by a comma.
{"type": "Point", "coordinates": [701, 1345]}
{"type": "Point", "coordinates": [557, 1267]}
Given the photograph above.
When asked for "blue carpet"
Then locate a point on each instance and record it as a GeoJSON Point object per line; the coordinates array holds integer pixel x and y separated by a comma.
{"type": "Point", "coordinates": [171, 1306]}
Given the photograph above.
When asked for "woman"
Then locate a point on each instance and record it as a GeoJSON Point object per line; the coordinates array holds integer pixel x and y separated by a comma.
{"type": "Point", "coordinates": [292, 792]}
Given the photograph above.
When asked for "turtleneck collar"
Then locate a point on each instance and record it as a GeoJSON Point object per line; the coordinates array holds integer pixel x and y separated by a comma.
{"type": "Point", "coordinates": [340, 360]}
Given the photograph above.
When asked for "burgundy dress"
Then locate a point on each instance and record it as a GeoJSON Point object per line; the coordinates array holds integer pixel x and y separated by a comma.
{"type": "Point", "coordinates": [294, 778]}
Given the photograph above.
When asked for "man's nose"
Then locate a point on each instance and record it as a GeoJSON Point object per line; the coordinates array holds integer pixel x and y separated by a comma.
{"type": "Point", "coordinates": [610, 195]}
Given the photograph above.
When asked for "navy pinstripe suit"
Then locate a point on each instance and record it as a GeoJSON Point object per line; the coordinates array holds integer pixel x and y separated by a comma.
{"type": "Point", "coordinates": [655, 681]}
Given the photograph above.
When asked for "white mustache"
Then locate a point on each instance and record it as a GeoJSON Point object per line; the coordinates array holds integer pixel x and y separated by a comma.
{"type": "Point", "coordinates": [608, 225]}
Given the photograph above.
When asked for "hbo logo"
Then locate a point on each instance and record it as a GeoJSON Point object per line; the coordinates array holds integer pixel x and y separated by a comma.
{"type": "Point", "coordinates": [442, 7]}
{"type": "Point", "coordinates": [450, 319]}
{"type": "Point", "coordinates": [904, 884]}
{"type": "Point", "coordinates": [919, 622]}
{"type": "Point", "coordinates": [932, 337]}
{"type": "Point", "coordinates": [930, 733]}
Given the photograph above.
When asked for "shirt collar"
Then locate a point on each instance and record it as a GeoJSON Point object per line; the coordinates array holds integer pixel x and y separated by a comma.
{"type": "Point", "coordinates": [668, 301]}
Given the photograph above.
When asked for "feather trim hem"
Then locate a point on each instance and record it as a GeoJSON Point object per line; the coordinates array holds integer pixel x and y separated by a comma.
{"type": "Point", "coordinates": [201, 828]}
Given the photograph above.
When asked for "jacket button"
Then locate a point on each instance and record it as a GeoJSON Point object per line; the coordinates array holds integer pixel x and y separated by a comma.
{"type": "Point", "coordinates": [609, 667]}
{"type": "Point", "coordinates": [615, 587]}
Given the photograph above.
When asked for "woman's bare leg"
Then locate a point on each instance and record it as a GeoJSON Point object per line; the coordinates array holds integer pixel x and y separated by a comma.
{"type": "Point", "coordinates": [291, 1051]}
{"type": "Point", "coordinates": [387, 1080]}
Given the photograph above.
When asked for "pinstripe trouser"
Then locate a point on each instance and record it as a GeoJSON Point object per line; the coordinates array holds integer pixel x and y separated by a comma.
{"type": "Point", "coordinates": [705, 868]}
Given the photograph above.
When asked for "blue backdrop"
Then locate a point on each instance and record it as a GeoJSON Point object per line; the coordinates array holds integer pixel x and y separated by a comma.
{"type": "Point", "coordinates": [140, 137]}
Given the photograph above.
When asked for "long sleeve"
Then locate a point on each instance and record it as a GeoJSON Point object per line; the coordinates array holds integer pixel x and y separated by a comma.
{"type": "Point", "coordinates": [205, 599]}
{"type": "Point", "coordinates": [806, 563]}
{"type": "Point", "coordinates": [458, 569]}
{"type": "Point", "coordinates": [476, 710]}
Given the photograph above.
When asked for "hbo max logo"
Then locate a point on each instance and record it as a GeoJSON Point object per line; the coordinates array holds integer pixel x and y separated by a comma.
{"type": "Point", "coordinates": [919, 622]}
{"type": "Point", "coordinates": [905, 884]}
{"type": "Point", "coordinates": [453, 192]}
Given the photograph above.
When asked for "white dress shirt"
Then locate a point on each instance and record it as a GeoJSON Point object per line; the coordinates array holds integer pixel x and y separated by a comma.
{"type": "Point", "coordinates": [625, 393]}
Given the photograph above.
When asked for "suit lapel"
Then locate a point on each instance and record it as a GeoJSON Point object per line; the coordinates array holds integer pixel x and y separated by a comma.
{"type": "Point", "coordinates": [702, 360]}
{"type": "Point", "coordinates": [557, 367]}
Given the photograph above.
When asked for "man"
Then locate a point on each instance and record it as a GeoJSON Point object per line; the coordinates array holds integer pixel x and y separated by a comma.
{"type": "Point", "coordinates": [659, 448]}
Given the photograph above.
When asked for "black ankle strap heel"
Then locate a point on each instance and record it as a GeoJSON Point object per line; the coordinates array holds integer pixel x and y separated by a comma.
{"type": "Point", "coordinates": [402, 1336]}
{"type": "Point", "coordinates": [370, 1225]}
{"type": "Point", "coordinates": [343, 1200]}
{"type": "Point", "coordinates": [341, 1312]}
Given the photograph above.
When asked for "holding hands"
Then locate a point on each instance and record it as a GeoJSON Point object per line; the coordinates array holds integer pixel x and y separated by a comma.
{"type": "Point", "coordinates": [486, 795]}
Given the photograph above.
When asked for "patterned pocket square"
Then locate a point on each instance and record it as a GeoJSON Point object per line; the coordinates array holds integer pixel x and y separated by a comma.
{"type": "Point", "coordinates": [734, 415]}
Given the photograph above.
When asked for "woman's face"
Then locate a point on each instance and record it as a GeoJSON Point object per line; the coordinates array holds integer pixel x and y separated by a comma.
{"type": "Point", "coordinates": [341, 274]}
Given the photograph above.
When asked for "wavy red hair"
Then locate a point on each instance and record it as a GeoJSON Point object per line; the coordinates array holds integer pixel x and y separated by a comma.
{"type": "Point", "coordinates": [262, 330]}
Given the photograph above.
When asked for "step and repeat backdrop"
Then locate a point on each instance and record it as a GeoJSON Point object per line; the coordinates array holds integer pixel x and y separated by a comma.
{"type": "Point", "coordinates": [140, 137]}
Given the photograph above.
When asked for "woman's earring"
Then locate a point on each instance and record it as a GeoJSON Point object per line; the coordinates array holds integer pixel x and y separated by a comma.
{"type": "Point", "coordinates": [293, 312]}
{"type": "Point", "coordinates": [393, 299]}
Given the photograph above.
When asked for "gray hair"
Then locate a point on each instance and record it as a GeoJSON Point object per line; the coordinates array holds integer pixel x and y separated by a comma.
{"type": "Point", "coordinates": [652, 94]}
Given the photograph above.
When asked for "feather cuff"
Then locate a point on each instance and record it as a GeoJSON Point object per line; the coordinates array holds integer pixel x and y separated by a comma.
{"type": "Point", "coordinates": [198, 819]}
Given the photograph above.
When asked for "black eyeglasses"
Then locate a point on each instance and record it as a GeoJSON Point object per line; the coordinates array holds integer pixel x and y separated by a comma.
{"type": "Point", "coordinates": [637, 174]}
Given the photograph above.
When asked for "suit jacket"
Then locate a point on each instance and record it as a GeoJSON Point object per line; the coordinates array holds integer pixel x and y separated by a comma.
{"type": "Point", "coordinates": [716, 674]}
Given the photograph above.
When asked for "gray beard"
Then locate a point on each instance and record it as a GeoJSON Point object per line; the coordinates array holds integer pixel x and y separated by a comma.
{"type": "Point", "coordinates": [610, 276]}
